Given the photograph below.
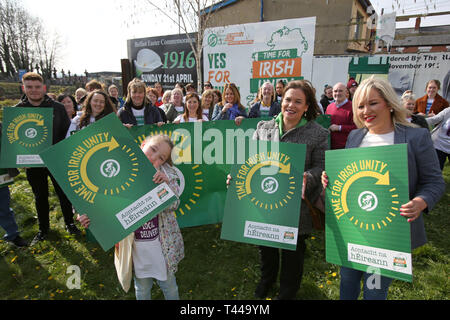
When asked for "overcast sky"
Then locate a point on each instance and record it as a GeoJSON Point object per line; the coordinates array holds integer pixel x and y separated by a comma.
{"type": "Point", "coordinates": [94, 33]}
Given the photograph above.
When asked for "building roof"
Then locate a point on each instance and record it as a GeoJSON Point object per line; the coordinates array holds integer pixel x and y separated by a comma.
{"type": "Point", "coordinates": [425, 36]}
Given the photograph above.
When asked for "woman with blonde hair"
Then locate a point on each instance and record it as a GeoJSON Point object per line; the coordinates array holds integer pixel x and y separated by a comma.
{"type": "Point", "coordinates": [176, 105]}
{"type": "Point", "coordinates": [266, 105]}
{"type": "Point", "coordinates": [408, 101]}
{"type": "Point", "coordinates": [137, 109]}
{"type": "Point", "coordinates": [208, 103]}
{"type": "Point", "coordinates": [381, 120]}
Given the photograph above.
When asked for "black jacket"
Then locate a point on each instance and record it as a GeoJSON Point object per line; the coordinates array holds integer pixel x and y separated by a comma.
{"type": "Point", "coordinates": [61, 121]}
{"type": "Point", "coordinates": [255, 112]}
{"type": "Point", "coordinates": [151, 115]}
{"type": "Point", "coordinates": [419, 120]}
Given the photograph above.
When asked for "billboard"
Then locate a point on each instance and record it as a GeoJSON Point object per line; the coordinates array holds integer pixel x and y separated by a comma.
{"type": "Point", "coordinates": [165, 59]}
{"type": "Point", "coordinates": [253, 53]}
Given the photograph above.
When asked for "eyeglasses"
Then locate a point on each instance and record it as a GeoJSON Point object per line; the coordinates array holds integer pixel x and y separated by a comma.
{"type": "Point", "coordinates": [230, 85]}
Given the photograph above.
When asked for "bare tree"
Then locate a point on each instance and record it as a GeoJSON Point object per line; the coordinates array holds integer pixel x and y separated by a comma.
{"type": "Point", "coordinates": [47, 48]}
{"type": "Point", "coordinates": [189, 16]}
{"type": "Point", "coordinates": [24, 42]}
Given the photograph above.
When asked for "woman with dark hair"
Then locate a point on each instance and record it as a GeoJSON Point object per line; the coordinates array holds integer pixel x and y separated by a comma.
{"type": "Point", "coordinates": [96, 106]}
{"type": "Point", "coordinates": [160, 93]}
{"type": "Point", "coordinates": [193, 111]}
{"type": "Point", "coordinates": [231, 107]}
{"type": "Point", "coordinates": [70, 104]}
{"type": "Point", "coordinates": [152, 95]}
{"type": "Point", "coordinates": [217, 96]}
{"type": "Point", "coordinates": [431, 103]}
{"type": "Point", "coordinates": [327, 97]}
{"type": "Point", "coordinates": [294, 124]}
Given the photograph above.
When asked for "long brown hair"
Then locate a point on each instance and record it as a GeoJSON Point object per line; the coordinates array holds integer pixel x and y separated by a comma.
{"type": "Point", "coordinates": [199, 112]}
{"type": "Point", "coordinates": [109, 108]}
{"type": "Point", "coordinates": [237, 95]}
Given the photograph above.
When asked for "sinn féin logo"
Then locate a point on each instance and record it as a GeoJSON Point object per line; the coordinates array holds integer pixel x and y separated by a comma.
{"type": "Point", "coordinates": [368, 201]}
{"type": "Point", "coordinates": [31, 133]}
{"type": "Point", "coordinates": [89, 173]}
{"type": "Point", "coordinates": [268, 190]}
{"type": "Point", "coordinates": [28, 130]}
{"type": "Point", "coordinates": [110, 168]}
{"type": "Point", "coordinates": [365, 212]}
{"type": "Point", "coordinates": [269, 185]}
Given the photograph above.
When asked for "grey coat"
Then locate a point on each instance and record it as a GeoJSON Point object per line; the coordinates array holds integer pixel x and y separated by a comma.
{"type": "Point", "coordinates": [425, 177]}
{"type": "Point", "coordinates": [315, 137]}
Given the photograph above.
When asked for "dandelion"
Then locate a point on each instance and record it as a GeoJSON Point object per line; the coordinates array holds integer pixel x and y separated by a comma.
{"type": "Point", "coordinates": [52, 294]}
{"type": "Point", "coordinates": [328, 282]}
{"type": "Point", "coordinates": [321, 286]}
{"type": "Point", "coordinates": [313, 238]}
{"type": "Point", "coordinates": [334, 274]}
{"type": "Point", "coordinates": [36, 286]}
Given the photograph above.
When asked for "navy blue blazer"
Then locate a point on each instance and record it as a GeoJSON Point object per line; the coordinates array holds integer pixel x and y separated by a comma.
{"type": "Point", "coordinates": [425, 176]}
{"type": "Point", "coordinates": [255, 112]}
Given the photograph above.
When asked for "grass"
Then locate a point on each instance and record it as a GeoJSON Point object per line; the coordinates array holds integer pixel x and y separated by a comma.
{"type": "Point", "coordinates": [213, 269]}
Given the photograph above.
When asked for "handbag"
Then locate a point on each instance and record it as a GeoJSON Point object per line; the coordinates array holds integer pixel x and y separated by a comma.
{"type": "Point", "coordinates": [317, 210]}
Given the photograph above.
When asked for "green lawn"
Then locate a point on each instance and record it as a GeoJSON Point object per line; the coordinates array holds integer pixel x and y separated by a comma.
{"type": "Point", "coordinates": [212, 269]}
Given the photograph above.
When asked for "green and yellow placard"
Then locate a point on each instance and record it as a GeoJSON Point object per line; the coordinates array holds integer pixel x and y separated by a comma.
{"type": "Point", "coordinates": [264, 197]}
{"type": "Point", "coordinates": [105, 175]}
{"type": "Point", "coordinates": [364, 228]}
{"type": "Point", "coordinates": [26, 133]}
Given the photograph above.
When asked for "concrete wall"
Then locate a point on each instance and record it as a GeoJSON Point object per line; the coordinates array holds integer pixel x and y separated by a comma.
{"type": "Point", "coordinates": [330, 39]}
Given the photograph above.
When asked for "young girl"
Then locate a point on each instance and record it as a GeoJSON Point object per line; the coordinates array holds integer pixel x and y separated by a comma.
{"type": "Point", "coordinates": [193, 111]}
{"type": "Point", "coordinates": [155, 249]}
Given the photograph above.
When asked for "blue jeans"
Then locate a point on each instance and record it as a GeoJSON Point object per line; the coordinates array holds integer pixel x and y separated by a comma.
{"type": "Point", "coordinates": [7, 220]}
{"type": "Point", "coordinates": [143, 288]}
{"type": "Point", "coordinates": [375, 287]}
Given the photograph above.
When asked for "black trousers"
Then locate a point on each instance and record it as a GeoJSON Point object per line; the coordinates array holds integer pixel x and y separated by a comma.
{"type": "Point", "coordinates": [442, 156]}
{"type": "Point", "coordinates": [38, 179]}
{"type": "Point", "coordinates": [291, 267]}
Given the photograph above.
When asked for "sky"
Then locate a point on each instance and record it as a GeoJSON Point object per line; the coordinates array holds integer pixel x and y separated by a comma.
{"type": "Point", "coordinates": [94, 33]}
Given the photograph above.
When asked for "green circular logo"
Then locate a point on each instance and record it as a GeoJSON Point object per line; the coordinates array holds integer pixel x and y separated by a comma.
{"type": "Point", "coordinates": [213, 40]}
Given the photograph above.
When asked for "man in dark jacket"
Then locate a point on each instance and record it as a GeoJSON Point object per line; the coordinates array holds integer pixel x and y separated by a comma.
{"type": "Point", "coordinates": [34, 89]}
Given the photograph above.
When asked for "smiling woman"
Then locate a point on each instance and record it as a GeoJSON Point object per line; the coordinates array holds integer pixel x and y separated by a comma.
{"type": "Point", "coordinates": [381, 120]}
{"type": "Point", "coordinates": [97, 105]}
{"type": "Point", "coordinates": [295, 124]}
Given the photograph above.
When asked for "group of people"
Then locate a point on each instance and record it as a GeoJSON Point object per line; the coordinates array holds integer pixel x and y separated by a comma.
{"type": "Point", "coordinates": [362, 115]}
